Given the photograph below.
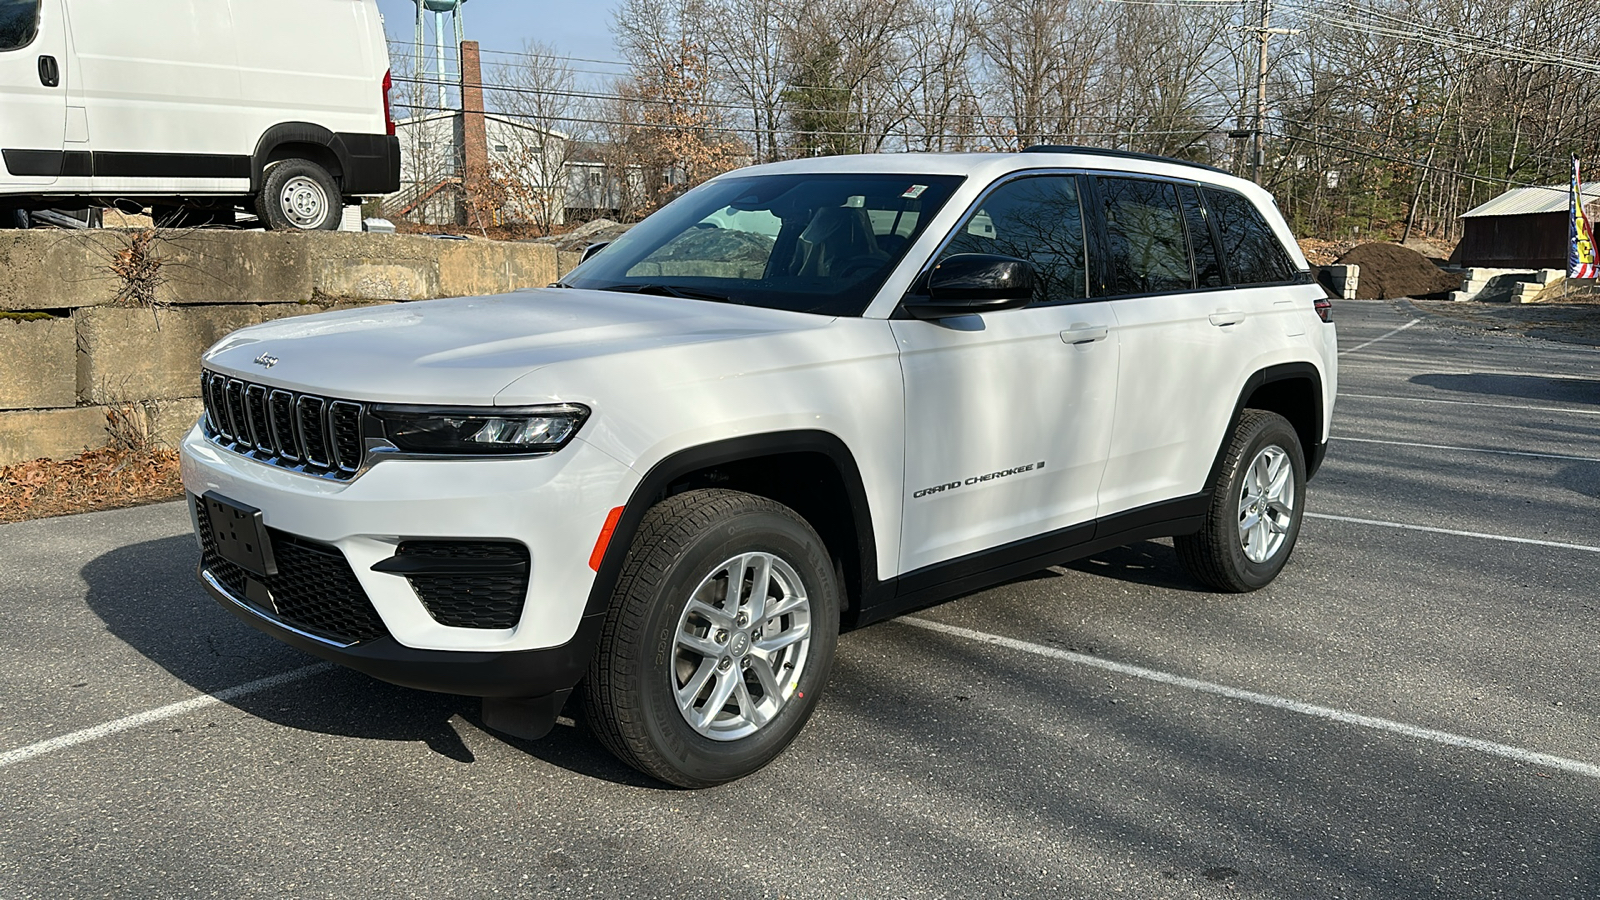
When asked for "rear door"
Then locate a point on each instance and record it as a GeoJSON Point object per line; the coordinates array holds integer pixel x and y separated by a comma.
{"type": "Point", "coordinates": [33, 90]}
{"type": "Point", "coordinates": [1183, 346]}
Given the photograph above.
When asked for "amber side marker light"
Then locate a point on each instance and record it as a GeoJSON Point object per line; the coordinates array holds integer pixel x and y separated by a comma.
{"type": "Point", "coordinates": [604, 540]}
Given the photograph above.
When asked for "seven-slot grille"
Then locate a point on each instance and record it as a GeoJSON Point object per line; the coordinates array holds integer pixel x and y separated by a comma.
{"type": "Point", "coordinates": [297, 431]}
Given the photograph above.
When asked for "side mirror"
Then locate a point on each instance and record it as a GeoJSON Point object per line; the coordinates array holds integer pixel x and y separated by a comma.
{"type": "Point", "coordinates": [591, 250]}
{"type": "Point", "coordinates": [968, 283]}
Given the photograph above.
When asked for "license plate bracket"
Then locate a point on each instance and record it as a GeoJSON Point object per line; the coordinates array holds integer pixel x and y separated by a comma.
{"type": "Point", "coordinates": [239, 535]}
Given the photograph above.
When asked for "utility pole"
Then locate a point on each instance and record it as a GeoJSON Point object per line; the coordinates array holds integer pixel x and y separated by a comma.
{"type": "Point", "coordinates": [1264, 32]}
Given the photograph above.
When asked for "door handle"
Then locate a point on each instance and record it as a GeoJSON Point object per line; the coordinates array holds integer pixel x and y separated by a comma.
{"type": "Point", "coordinates": [1227, 317]}
{"type": "Point", "coordinates": [1084, 333]}
{"type": "Point", "coordinates": [49, 71]}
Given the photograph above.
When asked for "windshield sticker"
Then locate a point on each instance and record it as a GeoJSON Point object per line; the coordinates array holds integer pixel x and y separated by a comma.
{"type": "Point", "coordinates": [914, 191]}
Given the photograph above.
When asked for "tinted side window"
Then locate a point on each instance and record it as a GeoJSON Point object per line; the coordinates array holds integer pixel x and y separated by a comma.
{"type": "Point", "coordinates": [1207, 265]}
{"type": "Point", "coordinates": [1251, 250]}
{"type": "Point", "coordinates": [1147, 251]}
{"type": "Point", "coordinates": [19, 20]}
{"type": "Point", "coordinates": [1038, 219]}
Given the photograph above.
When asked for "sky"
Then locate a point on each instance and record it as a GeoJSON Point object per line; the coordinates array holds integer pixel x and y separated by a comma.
{"type": "Point", "coordinates": [573, 29]}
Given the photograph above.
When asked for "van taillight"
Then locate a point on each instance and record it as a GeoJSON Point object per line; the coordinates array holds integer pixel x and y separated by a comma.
{"type": "Point", "coordinates": [1324, 308]}
{"type": "Point", "coordinates": [388, 111]}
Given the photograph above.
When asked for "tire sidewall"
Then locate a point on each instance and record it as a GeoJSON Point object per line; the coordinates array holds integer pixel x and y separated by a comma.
{"type": "Point", "coordinates": [1274, 431]}
{"type": "Point", "coordinates": [278, 175]}
{"type": "Point", "coordinates": [701, 760]}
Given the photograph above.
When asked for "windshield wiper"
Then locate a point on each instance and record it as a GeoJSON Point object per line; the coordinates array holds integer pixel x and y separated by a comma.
{"type": "Point", "coordinates": [672, 290]}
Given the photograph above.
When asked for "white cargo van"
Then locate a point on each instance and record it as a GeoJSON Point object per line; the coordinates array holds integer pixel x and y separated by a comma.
{"type": "Point", "coordinates": [196, 107]}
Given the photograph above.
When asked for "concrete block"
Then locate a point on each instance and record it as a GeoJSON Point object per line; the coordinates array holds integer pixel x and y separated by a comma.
{"type": "Point", "coordinates": [49, 269]}
{"type": "Point", "coordinates": [1550, 276]}
{"type": "Point", "coordinates": [129, 354]}
{"type": "Point", "coordinates": [170, 420]}
{"type": "Point", "coordinates": [567, 260]}
{"type": "Point", "coordinates": [363, 266]}
{"type": "Point", "coordinates": [213, 266]}
{"type": "Point", "coordinates": [470, 268]}
{"type": "Point", "coordinates": [1460, 296]}
{"type": "Point", "coordinates": [52, 433]}
{"type": "Point", "coordinates": [38, 363]}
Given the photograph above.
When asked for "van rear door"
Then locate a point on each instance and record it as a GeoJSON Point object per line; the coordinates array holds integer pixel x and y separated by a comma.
{"type": "Point", "coordinates": [33, 91]}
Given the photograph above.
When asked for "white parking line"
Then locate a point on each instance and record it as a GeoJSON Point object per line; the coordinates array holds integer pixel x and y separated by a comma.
{"type": "Point", "coordinates": [1381, 337]}
{"type": "Point", "coordinates": [1431, 367]}
{"type": "Point", "coordinates": [1545, 409]}
{"type": "Point", "coordinates": [1545, 760]}
{"type": "Point", "coordinates": [106, 729]}
{"type": "Point", "coordinates": [1340, 437]}
{"type": "Point", "coordinates": [1451, 531]}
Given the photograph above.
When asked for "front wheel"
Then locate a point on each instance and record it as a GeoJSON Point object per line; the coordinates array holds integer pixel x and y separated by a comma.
{"type": "Point", "coordinates": [719, 639]}
{"type": "Point", "coordinates": [1256, 506]}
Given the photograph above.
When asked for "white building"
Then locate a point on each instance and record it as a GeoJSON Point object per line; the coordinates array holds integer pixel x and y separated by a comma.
{"type": "Point", "coordinates": [525, 167]}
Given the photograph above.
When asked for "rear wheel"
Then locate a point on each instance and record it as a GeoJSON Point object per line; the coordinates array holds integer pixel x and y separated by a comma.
{"type": "Point", "coordinates": [1256, 507]}
{"type": "Point", "coordinates": [298, 194]}
{"type": "Point", "coordinates": [719, 639]}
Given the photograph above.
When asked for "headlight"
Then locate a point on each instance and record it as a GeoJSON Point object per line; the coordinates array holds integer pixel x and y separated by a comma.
{"type": "Point", "coordinates": [480, 430]}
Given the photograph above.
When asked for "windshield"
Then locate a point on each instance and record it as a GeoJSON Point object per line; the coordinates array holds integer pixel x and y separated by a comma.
{"type": "Point", "coordinates": [820, 243]}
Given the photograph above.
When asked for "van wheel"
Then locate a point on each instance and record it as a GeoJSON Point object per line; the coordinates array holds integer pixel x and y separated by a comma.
{"type": "Point", "coordinates": [719, 639]}
{"type": "Point", "coordinates": [1256, 506]}
{"type": "Point", "coordinates": [298, 194]}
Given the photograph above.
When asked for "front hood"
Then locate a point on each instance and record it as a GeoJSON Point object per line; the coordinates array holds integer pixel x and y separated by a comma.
{"type": "Point", "coordinates": [465, 350]}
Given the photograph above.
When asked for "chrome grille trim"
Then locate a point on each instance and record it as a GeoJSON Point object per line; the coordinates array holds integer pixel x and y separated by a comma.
{"type": "Point", "coordinates": [236, 414]}
{"type": "Point", "coordinates": [255, 405]}
{"type": "Point", "coordinates": [306, 433]}
{"type": "Point", "coordinates": [280, 407]}
{"type": "Point", "coordinates": [311, 414]}
{"type": "Point", "coordinates": [344, 434]}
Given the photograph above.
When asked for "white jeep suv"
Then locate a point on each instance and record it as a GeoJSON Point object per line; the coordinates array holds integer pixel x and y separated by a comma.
{"type": "Point", "coordinates": [803, 396]}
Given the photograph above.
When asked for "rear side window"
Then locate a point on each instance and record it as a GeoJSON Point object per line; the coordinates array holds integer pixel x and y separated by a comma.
{"type": "Point", "coordinates": [19, 22]}
{"type": "Point", "coordinates": [1252, 251]}
{"type": "Point", "coordinates": [1147, 250]}
{"type": "Point", "coordinates": [1207, 264]}
{"type": "Point", "coordinates": [1039, 219]}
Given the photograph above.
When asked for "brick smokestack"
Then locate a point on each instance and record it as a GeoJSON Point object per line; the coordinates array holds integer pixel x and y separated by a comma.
{"type": "Point", "coordinates": [474, 136]}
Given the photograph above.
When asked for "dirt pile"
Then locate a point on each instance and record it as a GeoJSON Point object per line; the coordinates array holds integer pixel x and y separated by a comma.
{"type": "Point", "coordinates": [1389, 271]}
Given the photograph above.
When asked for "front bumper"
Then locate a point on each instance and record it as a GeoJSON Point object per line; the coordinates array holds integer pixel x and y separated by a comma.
{"type": "Point", "coordinates": [554, 505]}
{"type": "Point", "coordinates": [514, 673]}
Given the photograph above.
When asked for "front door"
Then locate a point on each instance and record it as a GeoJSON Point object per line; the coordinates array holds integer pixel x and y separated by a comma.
{"type": "Point", "coordinates": [33, 91]}
{"type": "Point", "coordinates": [1008, 414]}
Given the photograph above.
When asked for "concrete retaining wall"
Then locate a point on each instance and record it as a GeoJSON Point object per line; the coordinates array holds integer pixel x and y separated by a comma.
{"type": "Point", "coordinates": [71, 354]}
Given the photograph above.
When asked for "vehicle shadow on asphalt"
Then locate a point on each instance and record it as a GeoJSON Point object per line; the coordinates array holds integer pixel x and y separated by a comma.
{"type": "Point", "coordinates": [149, 598]}
{"type": "Point", "coordinates": [1150, 563]}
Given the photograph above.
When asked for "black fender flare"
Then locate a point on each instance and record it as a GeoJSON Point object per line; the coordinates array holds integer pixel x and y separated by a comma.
{"type": "Point", "coordinates": [677, 465]}
{"type": "Point", "coordinates": [1282, 372]}
{"type": "Point", "coordinates": [295, 133]}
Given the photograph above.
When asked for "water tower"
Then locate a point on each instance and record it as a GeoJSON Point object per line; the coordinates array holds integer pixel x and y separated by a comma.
{"type": "Point", "coordinates": [443, 65]}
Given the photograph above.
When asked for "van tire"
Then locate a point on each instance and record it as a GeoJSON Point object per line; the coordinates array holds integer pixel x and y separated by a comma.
{"type": "Point", "coordinates": [298, 195]}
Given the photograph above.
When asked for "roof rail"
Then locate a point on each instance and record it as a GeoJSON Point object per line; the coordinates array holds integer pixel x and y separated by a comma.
{"type": "Point", "coordinates": [1122, 154]}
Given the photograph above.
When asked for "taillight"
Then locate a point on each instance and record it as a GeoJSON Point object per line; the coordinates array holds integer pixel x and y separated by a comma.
{"type": "Point", "coordinates": [388, 111]}
{"type": "Point", "coordinates": [1324, 308]}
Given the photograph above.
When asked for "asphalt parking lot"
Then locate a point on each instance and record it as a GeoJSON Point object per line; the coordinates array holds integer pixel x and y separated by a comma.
{"type": "Point", "coordinates": [1411, 710]}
